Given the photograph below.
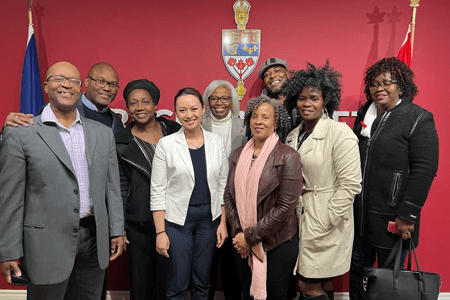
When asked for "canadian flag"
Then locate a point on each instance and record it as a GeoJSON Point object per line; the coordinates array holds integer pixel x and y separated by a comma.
{"type": "Point", "coordinates": [405, 51]}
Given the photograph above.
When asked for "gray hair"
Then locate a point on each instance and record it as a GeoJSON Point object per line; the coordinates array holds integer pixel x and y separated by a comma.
{"type": "Point", "coordinates": [210, 90]}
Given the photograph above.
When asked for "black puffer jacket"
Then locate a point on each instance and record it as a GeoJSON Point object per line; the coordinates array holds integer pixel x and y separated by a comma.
{"type": "Point", "coordinates": [135, 173]}
{"type": "Point", "coordinates": [399, 163]}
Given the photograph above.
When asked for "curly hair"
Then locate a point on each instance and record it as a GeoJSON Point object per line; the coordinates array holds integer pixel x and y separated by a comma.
{"type": "Point", "coordinates": [399, 70]}
{"type": "Point", "coordinates": [282, 121]}
{"type": "Point", "coordinates": [325, 79]}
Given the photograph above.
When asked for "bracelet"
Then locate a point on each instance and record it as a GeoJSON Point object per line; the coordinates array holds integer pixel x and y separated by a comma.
{"type": "Point", "coordinates": [160, 232]}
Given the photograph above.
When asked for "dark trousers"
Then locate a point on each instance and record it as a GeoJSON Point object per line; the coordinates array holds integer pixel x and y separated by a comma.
{"type": "Point", "coordinates": [86, 280]}
{"type": "Point", "coordinates": [191, 252]}
{"type": "Point", "coordinates": [231, 284]}
{"type": "Point", "coordinates": [364, 255]}
{"type": "Point", "coordinates": [280, 267]}
{"type": "Point", "coordinates": [146, 267]}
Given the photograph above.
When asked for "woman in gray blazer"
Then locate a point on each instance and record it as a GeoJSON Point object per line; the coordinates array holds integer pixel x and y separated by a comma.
{"type": "Point", "coordinates": [188, 180]}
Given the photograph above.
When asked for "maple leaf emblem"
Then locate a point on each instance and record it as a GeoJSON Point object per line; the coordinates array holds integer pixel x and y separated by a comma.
{"type": "Point", "coordinates": [249, 62]}
{"type": "Point", "coordinates": [240, 65]}
{"type": "Point", "coordinates": [231, 61]}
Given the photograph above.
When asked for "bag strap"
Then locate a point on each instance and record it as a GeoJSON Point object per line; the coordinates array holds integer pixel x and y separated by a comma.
{"type": "Point", "coordinates": [421, 282]}
{"type": "Point", "coordinates": [393, 253]}
{"type": "Point", "coordinates": [397, 253]}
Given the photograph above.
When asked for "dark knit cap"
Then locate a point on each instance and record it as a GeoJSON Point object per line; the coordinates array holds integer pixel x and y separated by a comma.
{"type": "Point", "coordinates": [142, 84]}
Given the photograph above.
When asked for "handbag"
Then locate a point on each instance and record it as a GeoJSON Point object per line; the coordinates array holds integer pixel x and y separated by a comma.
{"type": "Point", "coordinates": [396, 284]}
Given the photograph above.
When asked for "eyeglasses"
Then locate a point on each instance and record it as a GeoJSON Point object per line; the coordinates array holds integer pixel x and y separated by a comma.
{"type": "Point", "coordinates": [224, 99]}
{"type": "Point", "coordinates": [384, 85]}
{"type": "Point", "coordinates": [102, 83]}
{"type": "Point", "coordinates": [59, 79]}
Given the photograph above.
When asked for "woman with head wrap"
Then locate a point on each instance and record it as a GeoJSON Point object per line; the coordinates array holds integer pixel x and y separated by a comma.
{"type": "Point", "coordinates": [399, 159]}
{"type": "Point", "coordinates": [136, 145]}
{"type": "Point", "coordinates": [332, 176]}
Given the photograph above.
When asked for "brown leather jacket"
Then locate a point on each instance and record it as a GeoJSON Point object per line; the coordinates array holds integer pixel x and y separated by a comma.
{"type": "Point", "coordinates": [279, 190]}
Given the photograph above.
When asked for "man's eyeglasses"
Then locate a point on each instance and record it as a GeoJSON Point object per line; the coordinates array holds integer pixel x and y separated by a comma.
{"type": "Point", "coordinates": [102, 83]}
{"type": "Point", "coordinates": [59, 79]}
{"type": "Point", "coordinates": [224, 99]}
{"type": "Point", "coordinates": [384, 85]}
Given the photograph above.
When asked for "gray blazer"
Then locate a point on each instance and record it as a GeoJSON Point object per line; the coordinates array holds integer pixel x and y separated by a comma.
{"type": "Point", "coordinates": [173, 178]}
{"type": "Point", "coordinates": [237, 130]}
{"type": "Point", "coordinates": [40, 202]}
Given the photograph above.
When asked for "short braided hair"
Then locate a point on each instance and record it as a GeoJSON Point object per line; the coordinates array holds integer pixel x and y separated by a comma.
{"type": "Point", "coordinates": [282, 121]}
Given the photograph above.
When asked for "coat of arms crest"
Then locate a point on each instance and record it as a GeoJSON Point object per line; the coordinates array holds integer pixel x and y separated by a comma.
{"type": "Point", "coordinates": [241, 46]}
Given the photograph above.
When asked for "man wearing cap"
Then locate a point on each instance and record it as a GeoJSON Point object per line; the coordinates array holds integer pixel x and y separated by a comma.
{"type": "Point", "coordinates": [273, 72]}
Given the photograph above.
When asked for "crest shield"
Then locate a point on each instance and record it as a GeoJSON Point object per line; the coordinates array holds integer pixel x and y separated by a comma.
{"type": "Point", "coordinates": [240, 51]}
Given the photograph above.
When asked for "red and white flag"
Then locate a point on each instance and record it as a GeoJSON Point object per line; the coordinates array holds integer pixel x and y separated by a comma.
{"type": "Point", "coordinates": [405, 51]}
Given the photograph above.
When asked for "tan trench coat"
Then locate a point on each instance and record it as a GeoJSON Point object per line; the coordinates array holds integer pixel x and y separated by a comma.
{"type": "Point", "coordinates": [332, 177]}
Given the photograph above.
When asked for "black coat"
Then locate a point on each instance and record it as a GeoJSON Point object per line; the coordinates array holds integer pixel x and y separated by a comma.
{"type": "Point", "coordinates": [135, 173]}
{"type": "Point", "coordinates": [399, 163]}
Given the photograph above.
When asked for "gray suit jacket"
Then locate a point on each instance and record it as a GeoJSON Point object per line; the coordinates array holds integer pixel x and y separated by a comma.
{"type": "Point", "coordinates": [237, 130]}
{"type": "Point", "coordinates": [39, 198]}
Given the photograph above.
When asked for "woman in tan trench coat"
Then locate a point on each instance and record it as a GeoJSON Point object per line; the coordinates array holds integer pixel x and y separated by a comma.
{"type": "Point", "coordinates": [332, 177]}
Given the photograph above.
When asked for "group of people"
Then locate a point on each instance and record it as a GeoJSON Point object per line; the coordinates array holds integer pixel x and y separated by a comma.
{"type": "Point", "coordinates": [286, 199]}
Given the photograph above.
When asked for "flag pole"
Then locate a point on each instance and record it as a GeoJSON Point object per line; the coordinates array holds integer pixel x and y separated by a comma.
{"type": "Point", "coordinates": [414, 4]}
{"type": "Point", "coordinates": [30, 15]}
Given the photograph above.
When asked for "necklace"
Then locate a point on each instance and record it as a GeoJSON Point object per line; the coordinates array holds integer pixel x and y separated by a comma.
{"type": "Point", "coordinates": [195, 145]}
{"type": "Point", "coordinates": [254, 157]}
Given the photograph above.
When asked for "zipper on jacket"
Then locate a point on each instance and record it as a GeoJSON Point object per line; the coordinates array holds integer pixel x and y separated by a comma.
{"type": "Point", "coordinates": [137, 166]}
{"type": "Point", "coordinates": [395, 188]}
{"type": "Point", "coordinates": [366, 156]}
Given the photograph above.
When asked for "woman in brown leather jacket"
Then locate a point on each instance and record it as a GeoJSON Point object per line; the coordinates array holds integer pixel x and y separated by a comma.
{"type": "Point", "coordinates": [263, 188]}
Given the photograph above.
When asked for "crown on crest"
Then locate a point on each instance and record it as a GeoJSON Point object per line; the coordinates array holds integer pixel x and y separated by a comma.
{"type": "Point", "coordinates": [241, 6]}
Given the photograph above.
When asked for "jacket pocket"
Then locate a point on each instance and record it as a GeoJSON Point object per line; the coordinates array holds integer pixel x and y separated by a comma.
{"type": "Point", "coordinates": [395, 188]}
{"type": "Point", "coordinates": [33, 226]}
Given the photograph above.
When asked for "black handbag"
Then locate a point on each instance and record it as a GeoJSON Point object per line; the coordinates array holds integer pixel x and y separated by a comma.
{"type": "Point", "coordinates": [395, 284]}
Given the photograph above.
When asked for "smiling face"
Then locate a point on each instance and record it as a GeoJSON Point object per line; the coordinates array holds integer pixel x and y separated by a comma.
{"type": "Point", "coordinates": [101, 96]}
{"type": "Point", "coordinates": [262, 122]}
{"type": "Point", "coordinates": [63, 96]}
{"type": "Point", "coordinates": [309, 105]}
{"type": "Point", "coordinates": [141, 107]}
{"type": "Point", "coordinates": [189, 111]}
{"type": "Point", "coordinates": [385, 97]}
{"type": "Point", "coordinates": [219, 108]}
{"type": "Point", "coordinates": [274, 78]}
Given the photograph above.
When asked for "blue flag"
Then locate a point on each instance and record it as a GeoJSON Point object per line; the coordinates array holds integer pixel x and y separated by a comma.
{"type": "Point", "coordinates": [31, 97]}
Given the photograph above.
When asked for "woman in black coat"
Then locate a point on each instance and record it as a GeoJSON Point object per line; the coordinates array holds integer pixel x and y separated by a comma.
{"type": "Point", "coordinates": [136, 145]}
{"type": "Point", "coordinates": [399, 157]}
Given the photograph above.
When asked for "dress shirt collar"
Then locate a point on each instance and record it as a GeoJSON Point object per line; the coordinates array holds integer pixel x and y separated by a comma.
{"type": "Point", "coordinates": [48, 116]}
{"type": "Point", "coordinates": [91, 105]}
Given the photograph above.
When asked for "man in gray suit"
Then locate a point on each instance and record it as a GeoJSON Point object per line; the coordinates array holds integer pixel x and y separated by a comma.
{"type": "Point", "coordinates": [61, 213]}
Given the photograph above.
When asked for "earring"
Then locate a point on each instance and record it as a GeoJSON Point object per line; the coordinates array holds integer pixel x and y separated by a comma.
{"type": "Point", "coordinates": [325, 111]}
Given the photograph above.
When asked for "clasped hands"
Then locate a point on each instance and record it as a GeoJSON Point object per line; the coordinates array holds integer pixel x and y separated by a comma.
{"type": "Point", "coordinates": [241, 246]}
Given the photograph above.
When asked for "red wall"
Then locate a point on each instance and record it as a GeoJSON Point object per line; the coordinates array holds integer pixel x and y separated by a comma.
{"type": "Point", "coordinates": [178, 44]}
